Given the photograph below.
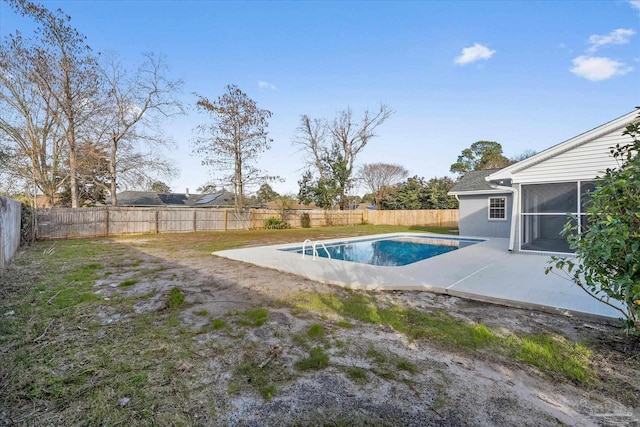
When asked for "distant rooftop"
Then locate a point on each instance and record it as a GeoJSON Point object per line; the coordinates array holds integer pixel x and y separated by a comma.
{"type": "Point", "coordinates": [222, 198]}
{"type": "Point", "coordinates": [473, 181]}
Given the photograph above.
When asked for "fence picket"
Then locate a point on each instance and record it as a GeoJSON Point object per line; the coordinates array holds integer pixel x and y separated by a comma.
{"type": "Point", "coordinates": [65, 223]}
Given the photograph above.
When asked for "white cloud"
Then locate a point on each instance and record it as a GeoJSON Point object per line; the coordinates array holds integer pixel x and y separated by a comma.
{"type": "Point", "coordinates": [635, 4]}
{"type": "Point", "coordinates": [619, 36]}
{"type": "Point", "coordinates": [474, 53]}
{"type": "Point", "coordinates": [598, 68]}
{"type": "Point", "coordinates": [266, 85]}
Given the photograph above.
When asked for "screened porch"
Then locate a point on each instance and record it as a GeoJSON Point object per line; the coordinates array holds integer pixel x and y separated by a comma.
{"type": "Point", "coordinates": [546, 208]}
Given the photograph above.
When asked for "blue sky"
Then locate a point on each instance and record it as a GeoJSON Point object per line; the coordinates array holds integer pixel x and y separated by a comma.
{"type": "Point", "coordinates": [525, 74]}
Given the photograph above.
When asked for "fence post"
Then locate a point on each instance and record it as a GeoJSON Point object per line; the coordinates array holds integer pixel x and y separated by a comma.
{"type": "Point", "coordinates": [106, 221]}
{"type": "Point", "coordinates": [157, 221]}
{"type": "Point", "coordinates": [226, 219]}
{"type": "Point", "coordinates": [251, 219]}
{"type": "Point", "coordinates": [194, 219]}
{"type": "Point", "coordinates": [1, 248]}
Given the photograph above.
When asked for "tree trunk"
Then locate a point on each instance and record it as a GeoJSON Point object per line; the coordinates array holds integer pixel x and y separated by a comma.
{"type": "Point", "coordinates": [239, 202]}
{"type": "Point", "coordinates": [73, 167]}
{"type": "Point", "coordinates": [112, 172]}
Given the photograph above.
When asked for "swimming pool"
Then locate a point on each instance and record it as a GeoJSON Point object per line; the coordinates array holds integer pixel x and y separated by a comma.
{"type": "Point", "coordinates": [435, 274]}
{"type": "Point", "coordinates": [387, 252]}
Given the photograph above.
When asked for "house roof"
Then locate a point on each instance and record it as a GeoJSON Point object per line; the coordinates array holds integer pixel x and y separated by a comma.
{"type": "Point", "coordinates": [139, 198]}
{"type": "Point", "coordinates": [152, 199]}
{"type": "Point", "coordinates": [474, 182]}
{"type": "Point", "coordinates": [612, 126]}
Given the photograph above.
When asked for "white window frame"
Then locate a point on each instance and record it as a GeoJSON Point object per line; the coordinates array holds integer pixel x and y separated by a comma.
{"type": "Point", "coordinates": [504, 216]}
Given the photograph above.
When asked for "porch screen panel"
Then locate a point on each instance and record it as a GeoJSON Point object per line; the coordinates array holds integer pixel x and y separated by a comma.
{"type": "Point", "coordinates": [550, 198]}
{"type": "Point", "coordinates": [546, 208]}
{"type": "Point", "coordinates": [586, 187]}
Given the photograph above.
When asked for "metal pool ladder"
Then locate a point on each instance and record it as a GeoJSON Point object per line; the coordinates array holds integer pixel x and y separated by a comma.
{"type": "Point", "coordinates": [314, 247]}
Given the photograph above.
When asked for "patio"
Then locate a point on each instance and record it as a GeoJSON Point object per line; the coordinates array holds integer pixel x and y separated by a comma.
{"type": "Point", "coordinates": [485, 271]}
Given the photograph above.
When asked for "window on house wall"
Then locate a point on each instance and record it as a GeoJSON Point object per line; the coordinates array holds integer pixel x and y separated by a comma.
{"type": "Point", "coordinates": [498, 208]}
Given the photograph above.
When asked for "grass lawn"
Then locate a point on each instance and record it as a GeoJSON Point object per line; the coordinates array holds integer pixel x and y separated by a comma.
{"type": "Point", "coordinates": [153, 330]}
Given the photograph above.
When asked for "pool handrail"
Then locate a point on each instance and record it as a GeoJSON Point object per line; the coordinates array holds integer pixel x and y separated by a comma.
{"type": "Point", "coordinates": [315, 251]}
{"type": "Point", "coordinates": [304, 244]}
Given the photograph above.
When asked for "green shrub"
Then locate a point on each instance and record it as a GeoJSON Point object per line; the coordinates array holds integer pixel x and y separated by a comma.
{"type": "Point", "coordinates": [607, 265]}
{"type": "Point", "coordinates": [275, 223]}
{"type": "Point", "coordinates": [305, 220]}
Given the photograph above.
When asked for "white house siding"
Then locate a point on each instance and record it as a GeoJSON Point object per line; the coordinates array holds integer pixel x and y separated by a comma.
{"type": "Point", "coordinates": [474, 216]}
{"type": "Point", "coordinates": [584, 162]}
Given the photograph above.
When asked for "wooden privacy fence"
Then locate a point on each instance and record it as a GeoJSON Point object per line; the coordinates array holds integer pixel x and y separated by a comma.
{"type": "Point", "coordinates": [318, 218]}
{"type": "Point", "coordinates": [425, 217]}
{"type": "Point", "coordinates": [10, 211]}
{"type": "Point", "coordinates": [65, 223]}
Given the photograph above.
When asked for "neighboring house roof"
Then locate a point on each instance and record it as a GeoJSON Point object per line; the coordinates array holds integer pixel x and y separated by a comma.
{"type": "Point", "coordinates": [138, 198]}
{"type": "Point", "coordinates": [152, 199]}
{"type": "Point", "coordinates": [474, 182]}
{"type": "Point", "coordinates": [220, 199]}
{"type": "Point", "coordinates": [616, 125]}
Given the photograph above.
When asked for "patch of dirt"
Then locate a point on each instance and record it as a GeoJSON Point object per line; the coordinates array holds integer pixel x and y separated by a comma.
{"type": "Point", "coordinates": [445, 387]}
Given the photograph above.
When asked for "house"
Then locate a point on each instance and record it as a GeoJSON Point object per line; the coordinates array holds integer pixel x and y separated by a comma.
{"type": "Point", "coordinates": [221, 199]}
{"type": "Point", "coordinates": [530, 201]}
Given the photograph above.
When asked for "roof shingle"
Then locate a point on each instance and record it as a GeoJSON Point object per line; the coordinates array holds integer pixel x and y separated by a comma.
{"type": "Point", "coordinates": [473, 181]}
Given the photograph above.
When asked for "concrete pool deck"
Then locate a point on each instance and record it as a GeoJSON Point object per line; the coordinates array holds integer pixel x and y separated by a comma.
{"type": "Point", "coordinates": [485, 271]}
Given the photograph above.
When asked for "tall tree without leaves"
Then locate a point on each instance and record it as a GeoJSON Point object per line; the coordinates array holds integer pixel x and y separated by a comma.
{"type": "Point", "coordinates": [65, 69]}
{"type": "Point", "coordinates": [234, 139]}
{"type": "Point", "coordinates": [332, 147]}
{"type": "Point", "coordinates": [29, 135]}
{"type": "Point", "coordinates": [135, 105]}
{"type": "Point", "coordinates": [480, 156]}
{"type": "Point", "coordinates": [379, 179]}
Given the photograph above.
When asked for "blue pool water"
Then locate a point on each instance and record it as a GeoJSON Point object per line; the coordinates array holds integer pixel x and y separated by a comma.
{"type": "Point", "coordinates": [390, 252]}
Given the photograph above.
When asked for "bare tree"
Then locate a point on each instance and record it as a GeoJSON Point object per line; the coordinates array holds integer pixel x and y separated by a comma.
{"type": "Point", "coordinates": [378, 178]}
{"type": "Point", "coordinates": [347, 137]}
{"type": "Point", "coordinates": [310, 136]}
{"type": "Point", "coordinates": [524, 155]}
{"type": "Point", "coordinates": [234, 139]}
{"type": "Point", "coordinates": [130, 125]}
{"type": "Point", "coordinates": [32, 141]}
{"type": "Point", "coordinates": [65, 69]}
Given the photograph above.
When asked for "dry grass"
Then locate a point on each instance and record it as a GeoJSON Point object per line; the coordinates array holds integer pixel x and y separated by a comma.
{"type": "Point", "coordinates": [142, 351]}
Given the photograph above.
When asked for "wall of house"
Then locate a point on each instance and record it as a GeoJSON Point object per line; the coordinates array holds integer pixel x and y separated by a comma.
{"type": "Point", "coordinates": [474, 217]}
{"type": "Point", "coordinates": [584, 162]}
{"type": "Point", "coordinates": [9, 230]}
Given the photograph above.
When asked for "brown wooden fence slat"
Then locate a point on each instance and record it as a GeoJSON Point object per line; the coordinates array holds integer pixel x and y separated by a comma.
{"type": "Point", "coordinates": [66, 223]}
